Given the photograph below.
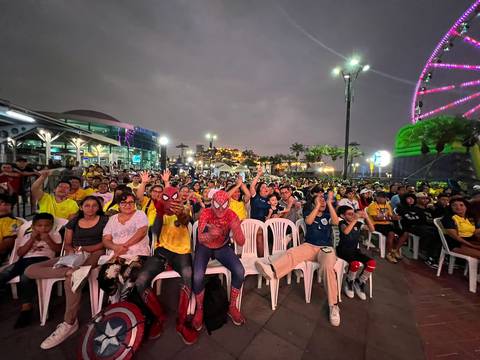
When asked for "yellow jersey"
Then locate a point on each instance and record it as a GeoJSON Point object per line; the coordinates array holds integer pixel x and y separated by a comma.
{"type": "Point", "coordinates": [375, 209]}
{"type": "Point", "coordinates": [64, 209]}
{"type": "Point", "coordinates": [238, 207]}
{"type": "Point", "coordinates": [151, 211]}
{"type": "Point", "coordinates": [174, 238]}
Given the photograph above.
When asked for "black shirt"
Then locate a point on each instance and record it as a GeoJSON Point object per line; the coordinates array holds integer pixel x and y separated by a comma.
{"type": "Point", "coordinates": [87, 236]}
{"type": "Point", "coordinates": [349, 243]}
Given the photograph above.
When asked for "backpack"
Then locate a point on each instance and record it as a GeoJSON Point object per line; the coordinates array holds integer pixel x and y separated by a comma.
{"type": "Point", "coordinates": [215, 304]}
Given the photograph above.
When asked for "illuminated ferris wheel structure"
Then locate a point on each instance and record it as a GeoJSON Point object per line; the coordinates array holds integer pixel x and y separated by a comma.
{"type": "Point", "coordinates": [454, 89]}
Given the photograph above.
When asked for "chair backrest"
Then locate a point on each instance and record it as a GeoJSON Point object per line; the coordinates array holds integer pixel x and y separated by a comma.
{"type": "Point", "coordinates": [300, 224]}
{"type": "Point", "coordinates": [250, 228]}
{"type": "Point", "coordinates": [441, 232]}
{"type": "Point", "coordinates": [279, 228]}
{"type": "Point", "coordinates": [336, 235]}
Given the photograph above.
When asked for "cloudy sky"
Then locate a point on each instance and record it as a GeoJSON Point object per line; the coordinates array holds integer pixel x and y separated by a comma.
{"type": "Point", "coordinates": [240, 68]}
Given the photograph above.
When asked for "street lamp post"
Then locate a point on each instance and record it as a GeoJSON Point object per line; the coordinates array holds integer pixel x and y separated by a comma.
{"type": "Point", "coordinates": [211, 138]}
{"type": "Point", "coordinates": [163, 141]}
{"type": "Point", "coordinates": [349, 72]}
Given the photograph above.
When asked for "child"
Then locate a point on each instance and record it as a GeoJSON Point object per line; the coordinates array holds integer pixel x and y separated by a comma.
{"type": "Point", "coordinates": [38, 244]}
{"type": "Point", "coordinates": [347, 249]}
{"type": "Point", "coordinates": [275, 210]}
{"type": "Point", "coordinates": [8, 226]}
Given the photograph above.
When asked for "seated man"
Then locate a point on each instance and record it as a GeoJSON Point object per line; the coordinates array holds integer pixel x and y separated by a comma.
{"type": "Point", "coordinates": [58, 204]}
{"type": "Point", "coordinates": [382, 216]}
{"type": "Point", "coordinates": [318, 247]}
{"type": "Point", "coordinates": [8, 226]}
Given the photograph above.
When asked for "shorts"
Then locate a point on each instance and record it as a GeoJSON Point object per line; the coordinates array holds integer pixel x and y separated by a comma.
{"type": "Point", "coordinates": [384, 228]}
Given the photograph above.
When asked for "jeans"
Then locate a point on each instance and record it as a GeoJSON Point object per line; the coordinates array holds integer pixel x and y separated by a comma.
{"type": "Point", "coordinates": [27, 286]}
{"type": "Point", "coordinates": [181, 263]}
{"type": "Point", "coordinates": [226, 256]}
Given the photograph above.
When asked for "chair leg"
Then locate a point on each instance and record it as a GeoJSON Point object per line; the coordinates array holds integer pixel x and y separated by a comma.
{"type": "Point", "coordinates": [13, 287]}
{"type": "Point", "coordinates": [416, 244]}
{"type": "Point", "coordinates": [274, 293]}
{"type": "Point", "coordinates": [259, 281]}
{"type": "Point", "coordinates": [451, 264]}
{"type": "Point", "coordinates": [158, 286]}
{"type": "Point", "coordinates": [440, 262]}
{"type": "Point", "coordinates": [382, 243]}
{"type": "Point", "coordinates": [240, 298]}
{"type": "Point", "coordinates": [228, 279]}
{"type": "Point", "coordinates": [370, 281]}
{"type": "Point", "coordinates": [45, 292]}
{"type": "Point", "coordinates": [289, 278]}
{"type": "Point", "coordinates": [308, 284]}
{"type": "Point", "coordinates": [94, 293]}
{"type": "Point", "coordinates": [59, 289]}
{"type": "Point", "coordinates": [472, 276]}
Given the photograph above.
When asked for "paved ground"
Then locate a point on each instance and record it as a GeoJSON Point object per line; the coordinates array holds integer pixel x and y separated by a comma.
{"type": "Point", "coordinates": [413, 315]}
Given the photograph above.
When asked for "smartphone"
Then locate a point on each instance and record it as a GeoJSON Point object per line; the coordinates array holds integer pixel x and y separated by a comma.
{"type": "Point", "coordinates": [327, 250]}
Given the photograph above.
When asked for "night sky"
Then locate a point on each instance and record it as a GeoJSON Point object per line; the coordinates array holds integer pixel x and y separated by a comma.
{"type": "Point", "coordinates": [239, 68]}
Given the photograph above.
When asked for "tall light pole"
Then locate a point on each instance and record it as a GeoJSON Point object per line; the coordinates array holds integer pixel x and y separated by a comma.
{"type": "Point", "coordinates": [349, 72]}
{"type": "Point", "coordinates": [163, 141]}
{"type": "Point", "coordinates": [211, 138]}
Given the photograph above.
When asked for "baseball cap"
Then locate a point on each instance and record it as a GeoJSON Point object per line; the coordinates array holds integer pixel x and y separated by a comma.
{"type": "Point", "coordinates": [421, 195]}
{"type": "Point", "coordinates": [364, 191]}
{"type": "Point", "coordinates": [476, 187]}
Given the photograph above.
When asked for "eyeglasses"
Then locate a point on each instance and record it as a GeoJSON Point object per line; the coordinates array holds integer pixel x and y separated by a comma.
{"type": "Point", "coordinates": [125, 203]}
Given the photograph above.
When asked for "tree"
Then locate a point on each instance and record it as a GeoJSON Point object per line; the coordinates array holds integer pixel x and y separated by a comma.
{"type": "Point", "coordinates": [296, 149]}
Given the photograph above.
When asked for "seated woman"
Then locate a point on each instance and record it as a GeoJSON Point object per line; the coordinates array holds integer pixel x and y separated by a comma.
{"type": "Point", "coordinates": [125, 235]}
{"type": "Point", "coordinates": [112, 208]}
{"type": "Point", "coordinates": [38, 244]}
{"type": "Point", "coordinates": [239, 198]}
{"type": "Point", "coordinates": [463, 233]}
{"type": "Point", "coordinates": [83, 236]}
{"type": "Point", "coordinates": [347, 249]}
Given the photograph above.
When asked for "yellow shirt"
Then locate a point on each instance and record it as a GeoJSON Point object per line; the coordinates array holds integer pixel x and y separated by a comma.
{"type": "Point", "coordinates": [151, 211]}
{"type": "Point", "coordinates": [8, 227]}
{"type": "Point", "coordinates": [78, 195]}
{"type": "Point", "coordinates": [174, 238]}
{"type": "Point", "coordinates": [114, 207]}
{"type": "Point", "coordinates": [238, 207]}
{"type": "Point", "coordinates": [63, 209]}
{"type": "Point", "coordinates": [89, 191]}
{"type": "Point", "coordinates": [375, 209]}
{"type": "Point", "coordinates": [133, 187]}
{"type": "Point", "coordinates": [464, 226]}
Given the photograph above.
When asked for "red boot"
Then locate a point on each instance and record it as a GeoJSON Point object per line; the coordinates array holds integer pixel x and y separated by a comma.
{"type": "Point", "coordinates": [188, 335]}
{"type": "Point", "coordinates": [233, 311]}
{"type": "Point", "coordinates": [151, 301]}
{"type": "Point", "coordinates": [197, 322]}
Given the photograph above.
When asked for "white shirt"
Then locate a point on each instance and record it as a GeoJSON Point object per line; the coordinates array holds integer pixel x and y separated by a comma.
{"type": "Point", "coordinates": [39, 248]}
{"type": "Point", "coordinates": [121, 233]}
{"type": "Point", "coordinates": [107, 197]}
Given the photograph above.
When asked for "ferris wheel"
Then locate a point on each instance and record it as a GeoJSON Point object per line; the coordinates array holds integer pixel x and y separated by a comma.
{"type": "Point", "coordinates": [449, 84]}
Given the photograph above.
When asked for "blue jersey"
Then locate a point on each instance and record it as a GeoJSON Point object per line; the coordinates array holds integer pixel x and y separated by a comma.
{"type": "Point", "coordinates": [259, 207]}
{"type": "Point", "coordinates": [319, 233]}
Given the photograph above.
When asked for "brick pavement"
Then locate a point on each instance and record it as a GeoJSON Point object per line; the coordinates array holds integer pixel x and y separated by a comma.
{"type": "Point", "coordinates": [409, 302]}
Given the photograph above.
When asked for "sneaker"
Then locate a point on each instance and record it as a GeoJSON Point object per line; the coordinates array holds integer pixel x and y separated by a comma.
{"type": "Point", "coordinates": [24, 319]}
{"type": "Point", "coordinates": [431, 263]}
{"type": "Point", "coordinates": [61, 333]}
{"type": "Point", "coordinates": [265, 270]}
{"type": "Point", "coordinates": [79, 277]}
{"type": "Point", "coordinates": [391, 258]}
{"type": "Point", "coordinates": [359, 288]}
{"type": "Point", "coordinates": [335, 315]}
{"type": "Point", "coordinates": [348, 289]}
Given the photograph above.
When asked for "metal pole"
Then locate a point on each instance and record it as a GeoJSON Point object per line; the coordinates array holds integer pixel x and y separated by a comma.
{"type": "Point", "coordinates": [347, 125]}
{"type": "Point", "coordinates": [163, 157]}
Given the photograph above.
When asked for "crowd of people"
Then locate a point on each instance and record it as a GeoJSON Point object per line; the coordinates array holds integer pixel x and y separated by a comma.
{"type": "Point", "coordinates": [134, 225]}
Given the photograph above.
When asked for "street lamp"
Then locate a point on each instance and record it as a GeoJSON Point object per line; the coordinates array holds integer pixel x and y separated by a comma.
{"type": "Point", "coordinates": [211, 138]}
{"type": "Point", "coordinates": [349, 73]}
{"type": "Point", "coordinates": [163, 141]}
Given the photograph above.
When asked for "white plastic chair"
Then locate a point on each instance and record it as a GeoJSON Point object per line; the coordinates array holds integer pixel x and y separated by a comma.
{"type": "Point", "coordinates": [279, 229]}
{"type": "Point", "coordinates": [382, 241]}
{"type": "Point", "coordinates": [300, 224]}
{"type": "Point", "coordinates": [472, 262]}
{"type": "Point", "coordinates": [214, 267]}
{"type": "Point", "coordinates": [339, 267]}
{"type": "Point", "coordinates": [414, 244]}
{"type": "Point", "coordinates": [250, 228]}
{"type": "Point", "coordinates": [14, 257]}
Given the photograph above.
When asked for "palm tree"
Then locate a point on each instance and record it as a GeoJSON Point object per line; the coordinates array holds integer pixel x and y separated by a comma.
{"type": "Point", "coordinates": [296, 149]}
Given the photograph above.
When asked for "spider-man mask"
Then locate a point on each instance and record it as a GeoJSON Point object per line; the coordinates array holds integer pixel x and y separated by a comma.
{"type": "Point", "coordinates": [220, 203]}
{"type": "Point", "coordinates": [170, 199]}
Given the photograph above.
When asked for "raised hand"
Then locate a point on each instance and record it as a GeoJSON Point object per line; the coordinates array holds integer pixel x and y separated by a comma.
{"type": "Point", "coordinates": [239, 180]}
{"type": "Point", "coordinates": [166, 175]}
{"type": "Point", "coordinates": [145, 177]}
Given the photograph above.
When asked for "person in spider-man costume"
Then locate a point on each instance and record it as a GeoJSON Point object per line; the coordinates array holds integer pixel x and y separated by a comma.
{"type": "Point", "coordinates": [214, 228]}
{"type": "Point", "coordinates": [173, 249]}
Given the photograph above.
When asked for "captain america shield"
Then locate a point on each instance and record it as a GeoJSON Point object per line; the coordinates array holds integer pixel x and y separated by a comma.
{"type": "Point", "coordinates": [115, 333]}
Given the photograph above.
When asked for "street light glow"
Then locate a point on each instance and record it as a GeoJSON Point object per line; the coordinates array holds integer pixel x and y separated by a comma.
{"type": "Point", "coordinates": [208, 136]}
{"type": "Point", "coordinates": [163, 141]}
{"type": "Point", "coordinates": [336, 71]}
{"type": "Point", "coordinates": [366, 67]}
{"type": "Point", "coordinates": [189, 159]}
{"type": "Point", "coordinates": [354, 61]}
